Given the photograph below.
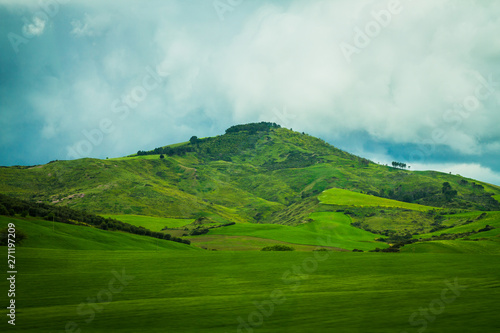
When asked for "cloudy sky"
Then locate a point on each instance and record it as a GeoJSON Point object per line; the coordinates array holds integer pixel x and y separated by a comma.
{"type": "Point", "coordinates": [412, 81]}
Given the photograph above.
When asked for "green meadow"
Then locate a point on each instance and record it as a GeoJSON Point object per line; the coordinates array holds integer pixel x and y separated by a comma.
{"type": "Point", "coordinates": [61, 290]}
{"type": "Point", "coordinates": [326, 229]}
{"type": "Point", "coordinates": [455, 246]}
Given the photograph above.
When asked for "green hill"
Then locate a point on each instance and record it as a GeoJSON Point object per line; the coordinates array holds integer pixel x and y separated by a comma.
{"type": "Point", "coordinates": [259, 174]}
{"type": "Point", "coordinates": [243, 176]}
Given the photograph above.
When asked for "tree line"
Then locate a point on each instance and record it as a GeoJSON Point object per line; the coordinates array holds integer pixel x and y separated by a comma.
{"type": "Point", "coordinates": [399, 165]}
{"type": "Point", "coordinates": [11, 206]}
{"type": "Point", "coordinates": [213, 146]}
{"type": "Point", "coordinates": [169, 151]}
{"type": "Point", "coordinates": [253, 128]}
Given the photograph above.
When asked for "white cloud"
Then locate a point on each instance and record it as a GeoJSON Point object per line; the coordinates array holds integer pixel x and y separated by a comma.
{"type": "Point", "coordinates": [279, 61]}
{"type": "Point", "coordinates": [398, 88]}
{"type": "Point", "coordinates": [469, 170]}
{"type": "Point", "coordinates": [34, 28]}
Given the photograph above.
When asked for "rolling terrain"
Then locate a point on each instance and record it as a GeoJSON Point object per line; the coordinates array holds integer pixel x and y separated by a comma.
{"type": "Point", "coordinates": [176, 245]}
{"type": "Point", "coordinates": [260, 183]}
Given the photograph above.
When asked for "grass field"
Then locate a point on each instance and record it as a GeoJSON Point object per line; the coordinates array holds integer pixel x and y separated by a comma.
{"type": "Point", "coordinates": [337, 196]}
{"type": "Point", "coordinates": [327, 229]}
{"type": "Point", "coordinates": [245, 243]}
{"type": "Point", "coordinates": [150, 222]}
{"type": "Point", "coordinates": [332, 292]}
{"type": "Point", "coordinates": [454, 246]}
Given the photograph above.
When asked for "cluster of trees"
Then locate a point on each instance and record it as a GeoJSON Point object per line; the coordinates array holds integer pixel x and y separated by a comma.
{"type": "Point", "coordinates": [278, 247]}
{"type": "Point", "coordinates": [397, 238]}
{"type": "Point", "coordinates": [253, 128]}
{"type": "Point", "coordinates": [169, 151]}
{"type": "Point", "coordinates": [448, 192]}
{"type": "Point", "coordinates": [205, 228]}
{"type": "Point", "coordinates": [399, 165]}
{"type": "Point", "coordinates": [10, 206]}
{"type": "Point", "coordinates": [410, 194]}
{"type": "Point", "coordinates": [389, 249]}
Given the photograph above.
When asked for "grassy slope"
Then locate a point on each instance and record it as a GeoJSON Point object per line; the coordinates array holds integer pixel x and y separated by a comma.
{"type": "Point", "coordinates": [44, 234]}
{"type": "Point", "coordinates": [336, 196]}
{"type": "Point", "coordinates": [497, 197]}
{"type": "Point", "coordinates": [327, 229]}
{"type": "Point", "coordinates": [346, 292]}
{"type": "Point", "coordinates": [151, 222]}
{"type": "Point", "coordinates": [492, 219]}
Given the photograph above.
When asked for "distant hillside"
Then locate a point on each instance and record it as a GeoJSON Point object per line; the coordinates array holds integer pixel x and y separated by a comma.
{"type": "Point", "coordinates": [258, 173]}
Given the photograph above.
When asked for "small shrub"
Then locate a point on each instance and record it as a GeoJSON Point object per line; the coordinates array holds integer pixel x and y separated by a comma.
{"type": "Point", "coordinates": [198, 231]}
{"type": "Point", "coordinates": [278, 248]}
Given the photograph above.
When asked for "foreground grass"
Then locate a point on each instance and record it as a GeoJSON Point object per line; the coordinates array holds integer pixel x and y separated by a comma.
{"type": "Point", "coordinates": [174, 291]}
{"type": "Point", "coordinates": [246, 243]}
{"type": "Point", "coordinates": [454, 246]}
